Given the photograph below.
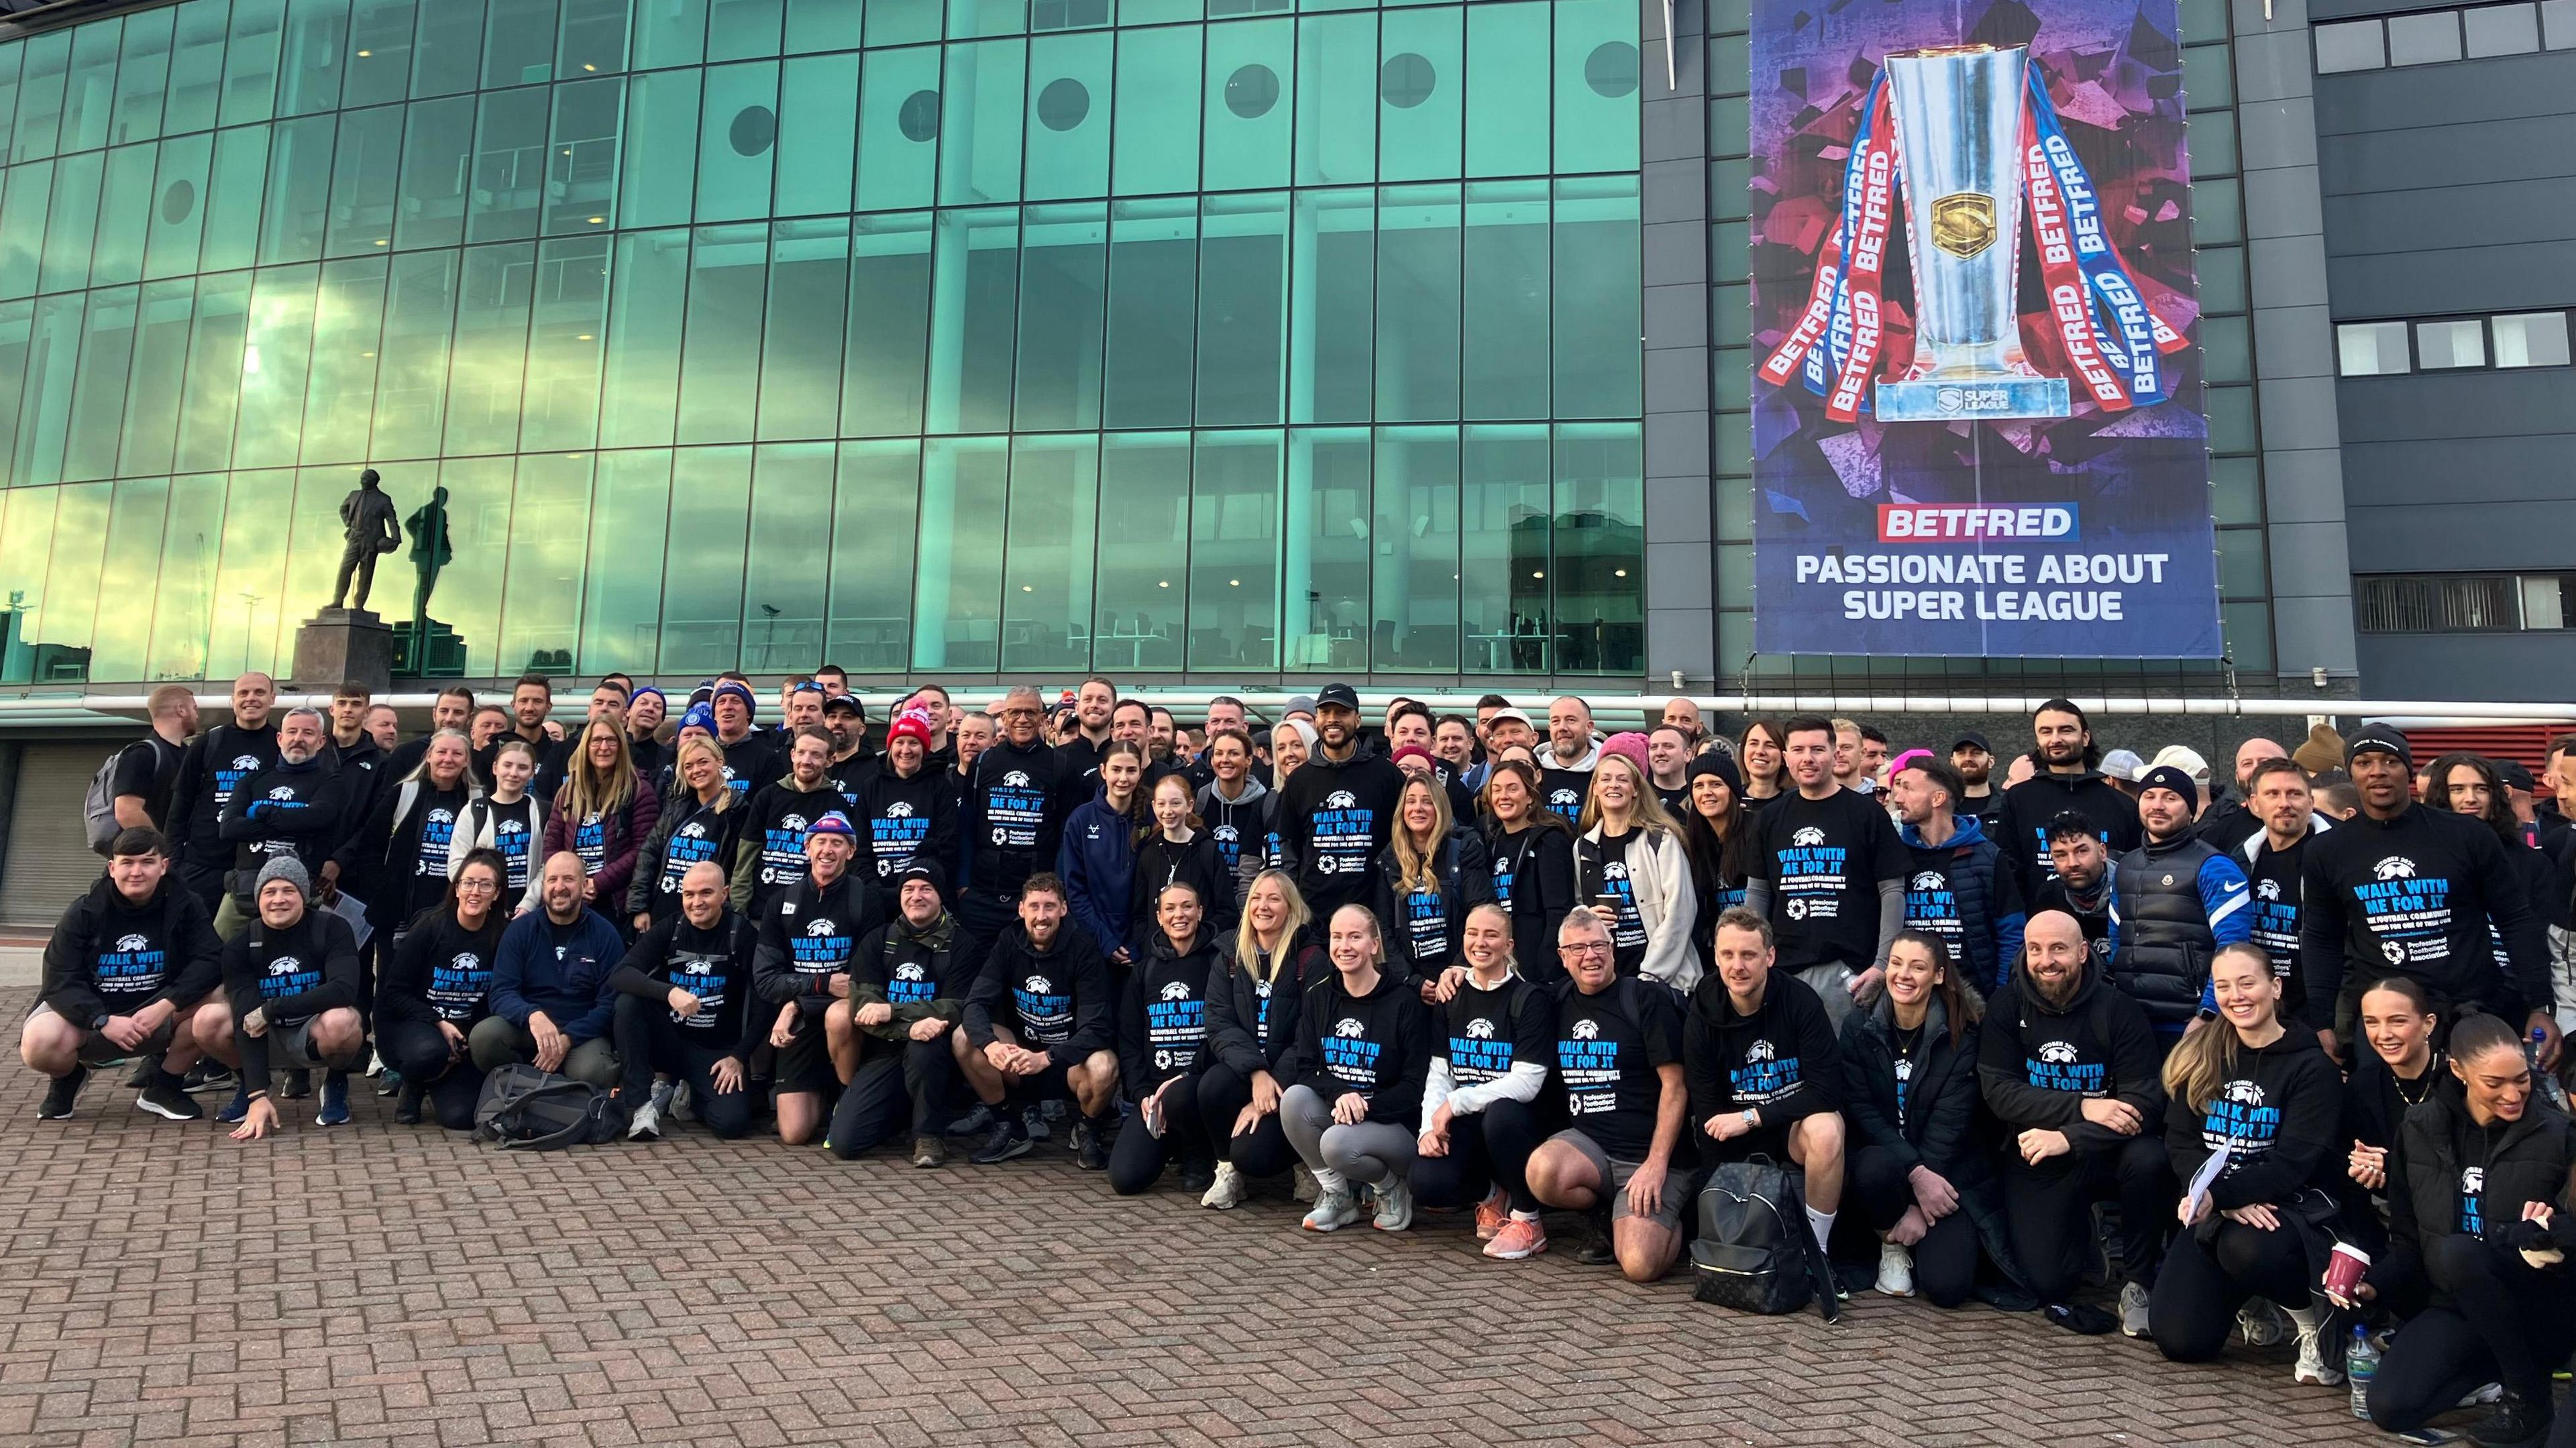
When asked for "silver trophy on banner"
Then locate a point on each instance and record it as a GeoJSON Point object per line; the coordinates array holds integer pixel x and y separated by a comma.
{"type": "Point", "coordinates": [1958, 136]}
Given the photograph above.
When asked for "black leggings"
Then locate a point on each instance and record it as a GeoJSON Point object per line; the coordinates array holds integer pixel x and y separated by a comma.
{"type": "Point", "coordinates": [451, 1084]}
{"type": "Point", "coordinates": [894, 1088]}
{"type": "Point", "coordinates": [648, 1040]}
{"type": "Point", "coordinates": [1945, 1261]}
{"type": "Point", "coordinates": [1489, 1149]}
{"type": "Point", "coordinates": [1261, 1152]}
{"type": "Point", "coordinates": [2050, 1208]}
{"type": "Point", "coordinates": [2504, 1322]}
{"type": "Point", "coordinates": [1136, 1162]}
{"type": "Point", "coordinates": [2193, 1306]}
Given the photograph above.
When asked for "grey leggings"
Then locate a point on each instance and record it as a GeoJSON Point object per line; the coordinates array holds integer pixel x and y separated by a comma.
{"type": "Point", "coordinates": [1367, 1154]}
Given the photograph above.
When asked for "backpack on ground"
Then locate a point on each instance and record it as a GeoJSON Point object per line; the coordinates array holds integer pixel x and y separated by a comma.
{"type": "Point", "coordinates": [525, 1109]}
{"type": "Point", "coordinates": [1755, 1252]}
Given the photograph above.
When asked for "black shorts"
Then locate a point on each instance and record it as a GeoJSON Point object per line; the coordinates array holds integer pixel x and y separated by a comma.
{"type": "Point", "coordinates": [97, 1050]}
{"type": "Point", "coordinates": [805, 1062]}
{"type": "Point", "coordinates": [1047, 1085]}
{"type": "Point", "coordinates": [1770, 1139]}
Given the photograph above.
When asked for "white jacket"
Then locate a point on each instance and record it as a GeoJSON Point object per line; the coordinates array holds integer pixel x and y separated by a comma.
{"type": "Point", "coordinates": [1659, 874]}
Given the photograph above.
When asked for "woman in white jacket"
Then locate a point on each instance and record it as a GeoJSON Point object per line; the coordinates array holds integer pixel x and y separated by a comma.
{"type": "Point", "coordinates": [508, 821]}
{"type": "Point", "coordinates": [1629, 865]}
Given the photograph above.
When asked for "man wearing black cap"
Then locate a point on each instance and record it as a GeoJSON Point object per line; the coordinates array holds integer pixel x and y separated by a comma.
{"type": "Point", "coordinates": [846, 720]}
{"type": "Point", "coordinates": [1335, 811]}
{"type": "Point", "coordinates": [1974, 758]}
{"type": "Point", "coordinates": [2174, 901]}
{"type": "Point", "coordinates": [2406, 890]}
{"type": "Point", "coordinates": [890, 1038]}
{"type": "Point", "coordinates": [803, 967]}
{"type": "Point", "coordinates": [2069, 778]}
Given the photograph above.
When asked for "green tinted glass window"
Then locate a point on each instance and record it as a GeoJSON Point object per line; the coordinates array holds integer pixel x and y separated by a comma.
{"type": "Point", "coordinates": [1418, 303]}
{"type": "Point", "coordinates": [17, 320]}
{"type": "Point", "coordinates": [1331, 286]}
{"type": "Point", "coordinates": [298, 209]}
{"type": "Point", "coordinates": [98, 390]}
{"type": "Point", "coordinates": [1234, 552]}
{"type": "Point", "coordinates": [1243, 257]}
{"type": "Point", "coordinates": [741, 29]}
{"type": "Point", "coordinates": [660, 169]}
{"type": "Point", "coordinates": [621, 612]}
{"type": "Point", "coordinates": [250, 61]}
{"type": "Point", "coordinates": [1145, 487]}
{"type": "Point", "coordinates": [720, 353]}
{"type": "Point", "coordinates": [1421, 94]}
{"type": "Point", "coordinates": [89, 89]}
{"type": "Point", "coordinates": [1046, 566]}
{"type": "Point", "coordinates": [71, 578]}
{"type": "Point", "coordinates": [1596, 85]}
{"type": "Point", "coordinates": [183, 581]}
{"type": "Point", "coordinates": [640, 391]}
{"type": "Point", "coordinates": [366, 168]}
{"type": "Point", "coordinates": [478, 527]}
{"type": "Point", "coordinates": [592, 40]}
{"type": "Point", "coordinates": [875, 496]}
{"type": "Point", "coordinates": [822, 25]}
{"type": "Point", "coordinates": [510, 168]}
{"type": "Point", "coordinates": [45, 412]}
{"type": "Point", "coordinates": [1507, 87]}
{"type": "Point", "coordinates": [380, 46]}
{"type": "Point", "coordinates": [22, 225]}
{"type": "Point", "coordinates": [979, 125]}
{"type": "Point", "coordinates": [958, 585]}
{"type": "Point", "coordinates": [1504, 372]}
{"type": "Point", "coordinates": [541, 595]}
{"type": "Point", "coordinates": [1064, 255]}
{"type": "Point", "coordinates": [447, 51]}
{"type": "Point", "coordinates": [976, 259]}
{"type": "Point", "coordinates": [438, 144]}
{"type": "Point", "coordinates": [45, 60]}
{"type": "Point", "coordinates": [898, 128]}
{"type": "Point", "coordinates": [196, 67]}
{"type": "Point", "coordinates": [311, 65]}
{"type": "Point", "coordinates": [276, 362]}
{"type": "Point", "coordinates": [250, 579]}
{"type": "Point", "coordinates": [348, 325]}
{"type": "Point", "coordinates": [26, 543]}
{"type": "Point", "coordinates": [901, 22]}
{"type": "Point", "coordinates": [491, 350]}
{"type": "Point", "coordinates": [1250, 79]}
{"type": "Point", "coordinates": [669, 33]}
{"type": "Point", "coordinates": [1416, 583]}
{"type": "Point", "coordinates": [889, 326]}
{"type": "Point", "coordinates": [783, 598]}
{"type": "Point", "coordinates": [157, 379]}
{"type": "Point", "coordinates": [215, 362]}
{"type": "Point", "coordinates": [1327, 531]}
{"type": "Point", "coordinates": [702, 569]}
{"type": "Point", "coordinates": [411, 386]}
{"type": "Point", "coordinates": [1153, 306]}
{"type": "Point", "coordinates": [142, 77]}
{"type": "Point", "coordinates": [581, 158]}
{"type": "Point", "coordinates": [560, 406]}
{"type": "Point", "coordinates": [1068, 115]}
{"type": "Point", "coordinates": [1337, 83]}
{"type": "Point", "coordinates": [1504, 482]}
{"type": "Point", "coordinates": [1596, 293]}
{"type": "Point", "coordinates": [818, 114]}
{"type": "Point", "coordinates": [1156, 140]}
{"type": "Point", "coordinates": [519, 42]}
{"type": "Point", "coordinates": [801, 348]}
{"type": "Point", "coordinates": [1600, 548]}
{"type": "Point", "coordinates": [71, 222]}
{"type": "Point", "coordinates": [737, 141]}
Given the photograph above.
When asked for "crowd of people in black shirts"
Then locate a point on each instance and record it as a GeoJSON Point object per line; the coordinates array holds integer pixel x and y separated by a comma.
{"type": "Point", "coordinates": [2273, 1056]}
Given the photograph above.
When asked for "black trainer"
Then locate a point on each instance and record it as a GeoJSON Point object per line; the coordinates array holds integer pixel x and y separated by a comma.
{"type": "Point", "coordinates": [1197, 1176]}
{"type": "Point", "coordinates": [1596, 1250]}
{"type": "Point", "coordinates": [60, 1096]}
{"type": "Point", "coordinates": [297, 1085]}
{"type": "Point", "coordinates": [212, 1075]}
{"type": "Point", "coordinates": [407, 1109]}
{"type": "Point", "coordinates": [168, 1099]}
{"type": "Point", "coordinates": [1006, 1140]}
{"type": "Point", "coordinates": [1090, 1146]}
{"type": "Point", "coordinates": [2079, 1318]}
{"type": "Point", "coordinates": [2516, 1421]}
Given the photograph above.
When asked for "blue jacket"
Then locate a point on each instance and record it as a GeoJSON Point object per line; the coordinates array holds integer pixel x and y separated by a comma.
{"type": "Point", "coordinates": [574, 991]}
{"type": "Point", "coordinates": [1963, 892]}
{"type": "Point", "coordinates": [1097, 862]}
{"type": "Point", "coordinates": [2173, 904]}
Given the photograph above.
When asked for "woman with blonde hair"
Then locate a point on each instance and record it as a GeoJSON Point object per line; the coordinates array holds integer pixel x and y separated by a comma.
{"type": "Point", "coordinates": [1355, 1108]}
{"type": "Point", "coordinates": [1253, 995]}
{"type": "Point", "coordinates": [1430, 874]}
{"type": "Point", "coordinates": [1491, 1043]}
{"type": "Point", "coordinates": [697, 825]}
{"type": "Point", "coordinates": [1630, 866]}
{"type": "Point", "coordinates": [603, 812]}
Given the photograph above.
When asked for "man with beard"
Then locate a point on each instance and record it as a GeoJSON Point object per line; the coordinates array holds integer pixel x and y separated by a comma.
{"type": "Point", "coordinates": [1959, 891]}
{"type": "Point", "coordinates": [2275, 859]}
{"type": "Point", "coordinates": [2069, 779]}
{"type": "Point", "coordinates": [294, 807]}
{"type": "Point", "coordinates": [1336, 810]}
{"type": "Point", "coordinates": [890, 1039]}
{"type": "Point", "coordinates": [1038, 1027]}
{"type": "Point", "coordinates": [770, 857]}
{"type": "Point", "coordinates": [1565, 764]}
{"type": "Point", "coordinates": [2230, 824]}
{"type": "Point", "coordinates": [846, 720]}
{"type": "Point", "coordinates": [1974, 758]}
{"type": "Point", "coordinates": [1093, 705]}
{"type": "Point", "coordinates": [1828, 872]}
{"type": "Point", "coordinates": [2081, 888]}
{"type": "Point", "coordinates": [2174, 901]}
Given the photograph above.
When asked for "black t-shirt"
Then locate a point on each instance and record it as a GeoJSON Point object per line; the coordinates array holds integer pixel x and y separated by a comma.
{"type": "Point", "coordinates": [1907, 1043]}
{"type": "Point", "coordinates": [147, 767]}
{"type": "Point", "coordinates": [514, 835]}
{"type": "Point", "coordinates": [1601, 881]}
{"type": "Point", "coordinates": [459, 979]}
{"type": "Point", "coordinates": [1824, 859]}
{"type": "Point", "coordinates": [2273, 876]}
{"type": "Point", "coordinates": [1609, 1048]}
{"type": "Point", "coordinates": [1484, 1033]}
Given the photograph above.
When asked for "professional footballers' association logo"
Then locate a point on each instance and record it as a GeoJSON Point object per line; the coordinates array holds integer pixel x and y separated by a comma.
{"type": "Point", "coordinates": [1341, 799]}
{"type": "Point", "coordinates": [1797, 909]}
{"type": "Point", "coordinates": [2057, 1053]}
{"type": "Point", "coordinates": [2395, 867]}
{"type": "Point", "coordinates": [1349, 1029]}
{"type": "Point", "coordinates": [1481, 1029]}
{"type": "Point", "coordinates": [1585, 1030]}
{"type": "Point", "coordinates": [2394, 950]}
{"type": "Point", "coordinates": [1808, 837]}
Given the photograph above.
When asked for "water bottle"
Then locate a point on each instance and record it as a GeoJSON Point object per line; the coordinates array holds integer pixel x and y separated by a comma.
{"type": "Point", "coordinates": [2548, 1081]}
{"type": "Point", "coordinates": [2360, 1363]}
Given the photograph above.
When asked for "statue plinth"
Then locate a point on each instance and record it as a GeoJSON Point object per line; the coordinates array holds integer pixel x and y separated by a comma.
{"type": "Point", "coordinates": [344, 644]}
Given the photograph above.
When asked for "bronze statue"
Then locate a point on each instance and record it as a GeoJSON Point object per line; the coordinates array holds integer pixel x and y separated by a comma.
{"type": "Point", "coordinates": [367, 518]}
{"type": "Point", "coordinates": [430, 551]}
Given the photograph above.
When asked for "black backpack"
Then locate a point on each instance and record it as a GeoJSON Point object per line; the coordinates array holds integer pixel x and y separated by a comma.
{"type": "Point", "coordinates": [525, 1109]}
{"type": "Point", "coordinates": [1755, 1252]}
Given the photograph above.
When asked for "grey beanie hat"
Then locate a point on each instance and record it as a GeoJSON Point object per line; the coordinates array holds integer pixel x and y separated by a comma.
{"type": "Point", "coordinates": [289, 869]}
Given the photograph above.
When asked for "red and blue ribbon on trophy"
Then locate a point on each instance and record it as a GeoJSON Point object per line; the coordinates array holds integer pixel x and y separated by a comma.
{"type": "Point", "coordinates": [2112, 339]}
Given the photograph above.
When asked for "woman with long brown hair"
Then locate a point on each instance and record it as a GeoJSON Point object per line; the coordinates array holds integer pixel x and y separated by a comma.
{"type": "Point", "coordinates": [603, 812]}
{"type": "Point", "coordinates": [1430, 875]}
{"type": "Point", "coordinates": [1532, 852]}
{"type": "Point", "coordinates": [1761, 753]}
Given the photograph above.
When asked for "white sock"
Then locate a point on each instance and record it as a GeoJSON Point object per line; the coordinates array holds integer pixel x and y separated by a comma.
{"type": "Point", "coordinates": [2307, 1318]}
{"type": "Point", "coordinates": [1822, 1223]}
{"type": "Point", "coordinates": [1519, 1216]}
{"type": "Point", "coordinates": [1326, 1180]}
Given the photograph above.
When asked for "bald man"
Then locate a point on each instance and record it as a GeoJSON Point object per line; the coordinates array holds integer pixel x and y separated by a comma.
{"type": "Point", "coordinates": [2070, 1066]}
{"type": "Point", "coordinates": [552, 1003]}
{"type": "Point", "coordinates": [2230, 824]}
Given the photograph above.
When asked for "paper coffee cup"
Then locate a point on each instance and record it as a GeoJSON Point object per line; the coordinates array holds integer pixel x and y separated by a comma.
{"type": "Point", "coordinates": [2344, 1270]}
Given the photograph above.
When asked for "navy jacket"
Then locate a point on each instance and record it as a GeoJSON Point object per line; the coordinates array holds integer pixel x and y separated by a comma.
{"type": "Point", "coordinates": [1097, 863]}
{"type": "Point", "coordinates": [1964, 892]}
{"type": "Point", "coordinates": [573, 992]}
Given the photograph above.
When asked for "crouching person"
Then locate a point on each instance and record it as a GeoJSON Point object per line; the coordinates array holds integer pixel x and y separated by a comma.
{"type": "Point", "coordinates": [290, 1001]}
{"type": "Point", "coordinates": [125, 973]}
{"type": "Point", "coordinates": [684, 1011]}
{"type": "Point", "coordinates": [891, 1038]}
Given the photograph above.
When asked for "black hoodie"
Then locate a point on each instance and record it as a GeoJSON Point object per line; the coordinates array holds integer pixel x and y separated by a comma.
{"type": "Point", "coordinates": [214, 765]}
{"type": "Point", "coordinates": [1781, 1060]}
{"type": "Point", "coordinates": [1162, 1018]}
{"type": "Point", "coordinates": [900, 820]}
{"type": "Point", "coordinates": [1159, 862]}
{"type": "Point", "coordinates": [291, 975]}
{"type": "Point", "coordinates": [2021, 822]}
{"type": "Point", "coordinates": [2039, 1062]}
{"type": "Point", "coordinates": [2277, 1113]}
{"type": "Point", "coordinates": [2413, 896]}
{"type": "Point", "coordinates": [1013, 822]}
{"type": "Point", "coordinates": [1378, 1045]}
{"type": "Point", "coordinates": [687, 833]}
{"type": "Point", "coordinates": [1055, 1000]}
{"type": "Point", "coordinates": [1252, 1023]}
{"type": "Point", "coordinates": [715, 965]}
{"type": "Point", "coordinates": [809, 936]}
{"type": "Point", "coordinates": [1917, 1099]}
{"type": "Point", "coordinates": [285, 809]}
{"type": "Point", "coordinates": [917, 972]}
{"type": "Point", "coordinates": [1333, 823]}
{"type": "Point", "coordinates": [441, 971]}
{"type": "Point", "coordinates": [111, 958]}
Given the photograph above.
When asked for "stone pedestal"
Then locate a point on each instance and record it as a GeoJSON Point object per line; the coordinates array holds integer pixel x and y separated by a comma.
{"type": "Point", "coordinates": [344, 643]}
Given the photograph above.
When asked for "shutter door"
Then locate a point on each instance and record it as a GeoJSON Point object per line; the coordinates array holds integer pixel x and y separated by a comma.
{"type": "Point", "coordinates": [49, 861]}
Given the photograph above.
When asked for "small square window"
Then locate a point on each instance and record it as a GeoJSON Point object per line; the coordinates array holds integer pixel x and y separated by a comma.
{"type": "Point", "coordinates": [2450, 344]}
{"type": "Point", "coordinates": [2426, 39]}
{"type": "Point", "coordinates": [2371, 349]}
{"type": "Point", "coordinates": [2545, 600]}
{"type": "Point", "coordinates": [2502, 30]}
{"type": "Point", "coordinates": [2357, 45]}
{"type": "Point", "coordinates": [2531, 339]}
{"type": "Point", "coordinates": [2558, 23]}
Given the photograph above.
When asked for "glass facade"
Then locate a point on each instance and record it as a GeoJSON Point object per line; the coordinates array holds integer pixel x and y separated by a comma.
{"type": "Point", "coordinates": [993, 336]}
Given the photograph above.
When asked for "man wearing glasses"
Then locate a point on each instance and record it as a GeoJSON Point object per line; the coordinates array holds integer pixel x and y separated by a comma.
{"type": "Point", "coordinates": [1015, 806]}
{"type": "Point", "coordinates": [1619, 1062]}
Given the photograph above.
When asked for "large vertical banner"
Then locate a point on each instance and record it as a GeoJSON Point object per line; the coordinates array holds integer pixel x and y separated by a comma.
{"type": "Point", "coordinates": [1977, 425]}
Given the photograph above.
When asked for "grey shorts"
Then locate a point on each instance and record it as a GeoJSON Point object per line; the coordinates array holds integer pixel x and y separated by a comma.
{"type": "Point", "coordinates": [1668, 1213]}
{"type": "Point", "coordinates": [97, 1050]}
{"type": "Point", "coordinates": [290, 1048]}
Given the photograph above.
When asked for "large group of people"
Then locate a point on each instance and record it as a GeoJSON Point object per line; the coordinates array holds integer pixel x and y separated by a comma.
{"type": "Point", "coordinates": [2018, 1025]}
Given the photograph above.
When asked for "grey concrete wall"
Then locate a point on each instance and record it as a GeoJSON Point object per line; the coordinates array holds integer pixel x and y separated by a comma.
{"type": "Point", "coordinates": [1681, 619]}
{"type": "Point", "coordinates": [2294, 363]}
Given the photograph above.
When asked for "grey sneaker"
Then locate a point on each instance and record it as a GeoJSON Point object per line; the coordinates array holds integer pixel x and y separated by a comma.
{"type": "Point", "coordinates": [2133, 1310]}
{"type": "Point", "coordinates": [2263, 1324]}
{"type": "Point", "coordinates": [1334, 1210]}
{"type": "Point", "coordinates": [1301, 1184]}
{"type": "Point", "coordinates": [1394, 1206]}
{"type": "Point", "coordinates": [647, 1123]}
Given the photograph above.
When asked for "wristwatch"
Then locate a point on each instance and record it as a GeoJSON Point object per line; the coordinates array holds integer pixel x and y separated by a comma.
{"type": "Point", "coordinates": [1750, 1120]}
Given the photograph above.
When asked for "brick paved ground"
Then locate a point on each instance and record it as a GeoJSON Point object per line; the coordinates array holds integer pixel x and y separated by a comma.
{"type": "Point", "coordinates": [380, 1284]}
